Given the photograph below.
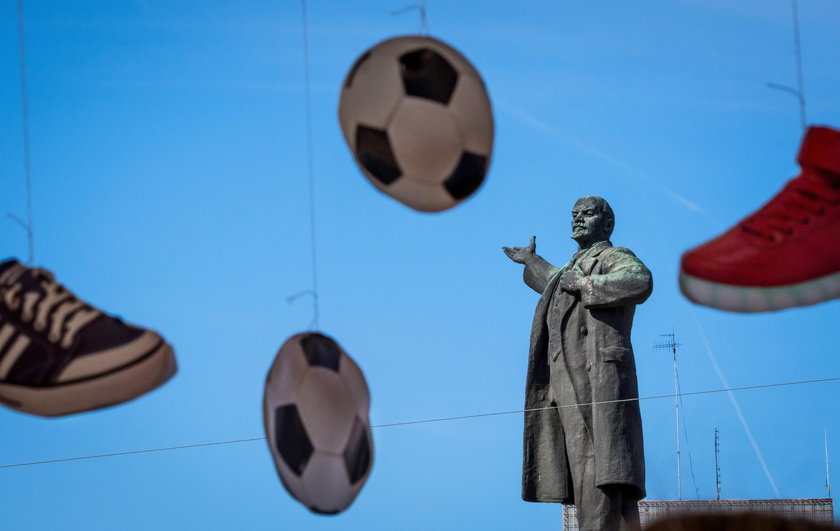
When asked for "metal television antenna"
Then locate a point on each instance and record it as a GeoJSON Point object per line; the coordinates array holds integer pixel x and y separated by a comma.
{"type": "Point", "coordinates": [672, 345]}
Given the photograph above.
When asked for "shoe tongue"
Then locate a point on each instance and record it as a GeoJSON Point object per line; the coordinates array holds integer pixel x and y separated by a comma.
{"type": "Point", "coordinates": [13, 272]}
{"type": "Point", "coordinates": [821, 149]}
{"type": "Point", "coordinates": [6, 265]}
{"type": "Point", "coordinates": [815, 184]}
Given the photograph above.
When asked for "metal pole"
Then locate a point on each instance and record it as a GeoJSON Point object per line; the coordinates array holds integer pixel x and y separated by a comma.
{"type": "Point", "coordinates": [672, 346]}
{"type": "Point", "coordinates": [677, 411]}
{"type": "Point", "coordinates": [827, 472]}
{"type": "Point", "coordinates": [717, 464]}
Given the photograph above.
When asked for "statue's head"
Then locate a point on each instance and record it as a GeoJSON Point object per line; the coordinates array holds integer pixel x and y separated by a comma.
{"type": "Point", "coordinates": [592, 220]}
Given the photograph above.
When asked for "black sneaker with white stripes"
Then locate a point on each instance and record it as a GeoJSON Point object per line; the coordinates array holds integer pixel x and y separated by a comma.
{"type": "Point", "coordinates": [59, 355]}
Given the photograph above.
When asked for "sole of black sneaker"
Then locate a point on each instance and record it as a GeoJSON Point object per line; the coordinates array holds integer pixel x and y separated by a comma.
{"type": "Point", "coordinates": [128, 382]}
{"type": "Point", "coordinates": [755, 299]}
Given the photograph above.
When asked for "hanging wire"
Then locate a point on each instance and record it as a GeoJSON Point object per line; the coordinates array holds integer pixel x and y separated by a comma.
{"type": "Point", "coordinates": [313, 325]}
{"type": "Point", "coordinates": [798, 48]}
{"type": "Point", "coordinates": [426, 421]}
{"type": "Point", "coordinates": [421, 7]}
{"type": "Point", "coordinates": [25, 113]}
{"type": "Point", "coordinates": [800, 91]}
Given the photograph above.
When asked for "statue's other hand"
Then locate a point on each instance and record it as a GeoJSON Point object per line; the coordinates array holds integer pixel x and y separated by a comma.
{"type": "Point", "coordinates": [570, 281]}
{"type": "Point", "coordinates": [520, 255]}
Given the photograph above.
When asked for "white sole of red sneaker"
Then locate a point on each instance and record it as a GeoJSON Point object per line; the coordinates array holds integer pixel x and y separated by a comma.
{"type": "Point", "coordinates": [127, 383]}
{"type": "Point", "coordinates": [754, 299]}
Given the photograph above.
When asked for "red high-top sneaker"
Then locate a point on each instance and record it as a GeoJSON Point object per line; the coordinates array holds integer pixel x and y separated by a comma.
{"type": "Point", "coordinates": [785, 254]}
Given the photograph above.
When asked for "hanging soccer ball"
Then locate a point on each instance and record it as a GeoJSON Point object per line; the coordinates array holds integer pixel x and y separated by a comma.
{"type": "Point", "coordinates": [315, 411]}
{"type": "Point", "coordinates": [418, 120]}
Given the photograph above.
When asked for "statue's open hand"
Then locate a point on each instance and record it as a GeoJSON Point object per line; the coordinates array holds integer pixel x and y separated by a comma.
{"type": "Point", "coordinates": [571, 279]}
{"type": "Point", "coordinates": [521, 255]}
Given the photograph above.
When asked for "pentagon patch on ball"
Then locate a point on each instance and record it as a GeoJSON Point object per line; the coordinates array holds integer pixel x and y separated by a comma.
{"type": "Point", "coordinates": [315, 411]}
{"type": "Point", "coordinates": [417, 117]}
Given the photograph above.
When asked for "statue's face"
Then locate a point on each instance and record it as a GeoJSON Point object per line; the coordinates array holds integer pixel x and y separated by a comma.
{"type": "Point", "coordinates": [589, 224]}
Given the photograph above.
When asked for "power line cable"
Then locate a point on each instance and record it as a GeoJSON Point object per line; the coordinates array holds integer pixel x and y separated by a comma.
{"type": "Point", "coordinates": [132, 452]}
{"type": "Point", "coordinates": [425, 421]}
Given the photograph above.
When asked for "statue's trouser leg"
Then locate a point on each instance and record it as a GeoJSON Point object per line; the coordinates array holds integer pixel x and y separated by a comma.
{"type": "Point", "coordinates": [628, 508]}
{"type": "Point", "coordinates": [606, 509]}
{"type": "Point", "coordinates": [629, 513]}
{"type": "Point", "coordinates": [597, 509]}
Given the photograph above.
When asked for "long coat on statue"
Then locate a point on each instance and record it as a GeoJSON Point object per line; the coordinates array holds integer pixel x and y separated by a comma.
{"type": "Point", "coordinates": [598, 321]}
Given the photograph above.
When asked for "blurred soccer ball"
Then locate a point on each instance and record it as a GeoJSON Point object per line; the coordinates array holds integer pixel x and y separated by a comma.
{"type": "Point", "coordinates": [315, 410]}
{"type": "Point", "coordinates": [418, 120]}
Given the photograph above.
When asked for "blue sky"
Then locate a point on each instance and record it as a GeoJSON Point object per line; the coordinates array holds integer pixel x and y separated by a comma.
{"type": "Point", "coordinates": [169, 187]}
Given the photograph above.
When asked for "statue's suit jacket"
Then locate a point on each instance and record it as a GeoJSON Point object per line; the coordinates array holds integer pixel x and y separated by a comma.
{"type": "Point", "coordinates": [599, 322]}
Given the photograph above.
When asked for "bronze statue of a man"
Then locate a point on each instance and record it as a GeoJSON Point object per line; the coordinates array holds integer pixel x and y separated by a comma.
{"type": "Point", "coordinates": [583, 437]}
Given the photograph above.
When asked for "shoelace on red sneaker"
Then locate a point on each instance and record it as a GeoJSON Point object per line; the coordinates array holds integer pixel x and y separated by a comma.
{"type": "Point", "coordinates": [798, 202]}
{"type": "Point", "coordinates": [51, 305]}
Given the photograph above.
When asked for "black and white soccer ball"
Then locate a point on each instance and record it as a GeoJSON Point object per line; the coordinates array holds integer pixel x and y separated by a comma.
{"type": "Point", "coordinates": [418, 120]}
{"type": "Point", "coordinates": [315, 410]}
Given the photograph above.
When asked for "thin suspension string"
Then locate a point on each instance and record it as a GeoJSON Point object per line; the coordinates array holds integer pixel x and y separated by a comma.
{"type": "Point", "coordinates": [25, 111]}
{"type": "Point", "coordinates": [799, 91]}
{"type": "Point", "coordinates": [424, 23]}
{"type": "Point", "coordinates": [421, 7]}
{"type": "Point", "coordinates": [426, 421]}
{"type": "Point", "coordinates": [799, 77]}
{"type": "Point", "coordinates": [310, 164]}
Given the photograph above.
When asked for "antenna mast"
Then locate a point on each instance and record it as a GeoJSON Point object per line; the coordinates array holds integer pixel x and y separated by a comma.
{"type": "Point", "coordinates": [717, 463]}
{"type": "Point", "coordinates": [672, 345]}
{"type": "Point", "coordinates": [827, 473]}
